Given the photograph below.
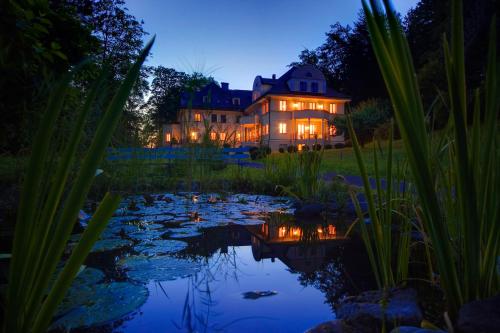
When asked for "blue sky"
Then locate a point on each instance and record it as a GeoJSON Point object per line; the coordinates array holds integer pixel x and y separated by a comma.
{"type": "Point", "coordinates": [236, 40]}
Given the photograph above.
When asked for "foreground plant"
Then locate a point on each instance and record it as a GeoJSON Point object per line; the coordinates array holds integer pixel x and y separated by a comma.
{"type": "Point", "coordinates": [45, 219]}
{"type": "Point", "coordinates": [459, 200]}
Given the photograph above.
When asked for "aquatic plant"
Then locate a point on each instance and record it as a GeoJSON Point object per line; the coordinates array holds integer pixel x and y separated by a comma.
{"type": "Point", "coordinates": [46, 217]}
{"type": "Point", "coordinates": [458, 193]}
{"type": "Point", "coordinates": [388, 209]}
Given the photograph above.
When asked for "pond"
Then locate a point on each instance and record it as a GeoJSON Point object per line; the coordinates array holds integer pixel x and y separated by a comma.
{"type": "Point", "coordinates": [205, 263]}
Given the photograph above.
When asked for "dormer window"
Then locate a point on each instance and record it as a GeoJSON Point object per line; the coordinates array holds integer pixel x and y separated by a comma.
{"type": "Point", "coordinates": [206, 99]}
{"type": "Point", "coordinates": [314, 87]}
{"type": "Point", "coordinates": [236, 101]}
{"type": "Point", "coordinates": [303, 86]}
{"type": "Point", "coordinates": [197, 117]}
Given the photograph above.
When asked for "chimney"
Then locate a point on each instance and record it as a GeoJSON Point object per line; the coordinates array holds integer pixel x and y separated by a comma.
{"type": "Point", "coordinates": [225, 85]}
{"type": "Point", "coordinates": [274, 76]}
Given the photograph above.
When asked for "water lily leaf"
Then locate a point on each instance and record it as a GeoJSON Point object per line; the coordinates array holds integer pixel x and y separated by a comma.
{"type": "Point", "coordinates": [111, 244]}
{"type": "Point", "coordinates": [161, 268]}
{"type": "Point", "coordinates": [160, 246]}
{"type": "Point", "coordinates": [97, 304]}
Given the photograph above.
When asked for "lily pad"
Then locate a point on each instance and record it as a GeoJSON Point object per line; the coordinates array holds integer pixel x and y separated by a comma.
{"type": "Point", "coordinates": [97, 304]}
{"type": "Point", "coordinates": [104, 245]}
{"type": "Point", "coordinates": [187, 232]}
{"type": "Point", "coordinates": [161, 268]}
{"type": "Point", "coordinates": [160, 246]}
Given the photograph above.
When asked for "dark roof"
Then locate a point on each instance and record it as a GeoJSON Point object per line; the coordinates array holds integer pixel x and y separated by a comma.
{"type": "Point", "coordinates": [220, 99]}
{"type": "Point", "coordinates": [280, 87]}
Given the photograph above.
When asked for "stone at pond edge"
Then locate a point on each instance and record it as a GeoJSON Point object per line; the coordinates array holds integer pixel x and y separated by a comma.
{"type": "Point", "coordinates": [95, 305]}
{"type": "Point", "coordinates": [411, 329]}
{"type": "Point", "coordinates": [480, 316]}
{"type": "Point", "coordinates": [364, 312]}
{"type": "Point", "coordinates": [310, 210]}
{"type": "Point", "coordinates": [332, 326]}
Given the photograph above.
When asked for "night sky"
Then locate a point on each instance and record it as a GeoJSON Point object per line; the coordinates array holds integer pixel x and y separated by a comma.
{"type": "Point", "coordinates": [235, 40]}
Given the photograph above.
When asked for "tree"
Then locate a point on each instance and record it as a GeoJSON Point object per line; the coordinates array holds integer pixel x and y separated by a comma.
{"type": "Point", "coordinates": [366, 117]}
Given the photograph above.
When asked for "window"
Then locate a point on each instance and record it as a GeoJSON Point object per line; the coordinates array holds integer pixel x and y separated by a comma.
{"type": "Point", "coordinates": [300, 129]}
{"type": "Point", "coordinates": [312, 129]}
{"type": "Point", "coordinates": [302, 105]}
{"type": "Point", "coordinates": [303, 86]}
{"type": "Point", "coordinates": [333, 108]}
{"type": "Point", "coordinates": [236, 101]}
{"type": "Point", "coordinates": [282, 127]}
{"type": "Point", "coordinates": [168, 137]}
{"type": "Point", "coordinates": [238, 136]}
{"type": "Point", "coordinates": [223, 118]}
{"type": "Point", "coordinates": [265, 107]}
{"type": "Point", "coordinates": [213, 136]}
{"type": "Point", "coordinates": [238, 119]}
{"type": "Point", "coordinates": [282, 105]}
{"type": "Point", "coordinates": [319, 106]}
{"type": "Point", "coordinates": [206, 99]}
{"type": "Point", "coordinates": [214, 118]}
{"type": "Point", "coordinates": [314, 87]}
{"type": "Point", "coordinates": [265, 129]}
{"type": "Point", "coordinates": [197, 117]}
{"type": "Point", "coordinates": [222, 136]}
{"type": "Point", "coordinates": [194, 136]}
{"type": "Point", "coordinates": [312, 106]}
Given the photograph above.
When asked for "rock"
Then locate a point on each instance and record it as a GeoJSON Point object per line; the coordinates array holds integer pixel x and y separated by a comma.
{"type": "Point", "coordinates": [411, 329]}
{"type": "Point", "coordinates": [365, 312]}
{"type": "Point", "coordinates": [480, 316]}
{"type": "Point", "coordinates": [310, 210]}
{"type": "Point", "coordinates": [332, 326]}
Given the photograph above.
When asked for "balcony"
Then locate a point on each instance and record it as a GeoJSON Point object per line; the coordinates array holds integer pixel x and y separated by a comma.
{"type": "Point", "coordinates": [247, 120]}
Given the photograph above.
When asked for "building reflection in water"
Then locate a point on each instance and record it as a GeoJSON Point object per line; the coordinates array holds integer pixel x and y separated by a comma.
{"type": "Point", "coordinates": [303, 247]}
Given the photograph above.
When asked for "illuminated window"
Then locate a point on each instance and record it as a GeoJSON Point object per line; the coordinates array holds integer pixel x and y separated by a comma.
{"type": "Point", "coordinates": [194, 136]}
{"type": "Point", "coordinates": [333, 108]}
{"type": "Point", "coordinates": [332, 130]}
{"type": "Point", "coordinates": [331, 230]}
{"type": "Point", "coordinates": [303, 86]}
{"type": "Point", "coordinates": [296, 105]}
{"type": "Point", "coordinates": [238, 136]}
{"type": "Point", "coordinates": [213, 136]}
{"type": "Point", "coordinates": [282, 105]}
{"type": "Point", "coordinates": [314, 87]}
{"type": "Point", "coordinates": [320, 106]}
{"type": "Point", "coordinates": [168, 137]}
{"type": "Point", "coordinates": [265, 129]}
{"type": "Point", "coordinates": [214, 118]}
{"type": "Point", "coordinates": [265, 107]}
{"type": "Point", "coordinates": [312, 129]}
{"type": "Point", "coordinates": [312, 106]}
{"type": "Point", "coordinates": [282, 128]}
{"type": "Point", "coordinates": [302, 105]}
{"type": "Point", "coordinates": [281, 232]}
{"type": "Point", "coordinates": [197, 117]}
{"type": "Point", "coordinates": [222, 136]}
{"type": "Point", "coordinates": [300, 129]}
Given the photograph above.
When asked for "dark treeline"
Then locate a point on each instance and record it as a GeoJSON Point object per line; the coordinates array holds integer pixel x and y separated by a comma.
{"type": "Point", "coordinates": [347, 59]}
{"type": "Point", "coordinates": [41, 40]}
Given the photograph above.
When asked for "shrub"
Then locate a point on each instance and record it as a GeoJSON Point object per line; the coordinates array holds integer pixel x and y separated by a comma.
{"type": "Point", "coordinates": [348, 143]}
{"type": "Point", "coordinates": [340, 145]}
{"type": "Point", "coordinates": [316, 147]}
{"type": "Point", "coordinates": [305, 148]}
{"type": "Point", "coordinates": [328, 146]}
{"type": "Point", "coordinates": [226, 145]}
{"type": "Point", "coordinates": [292, 149]}
{"type": "Point", "coordinates": [281, 150]}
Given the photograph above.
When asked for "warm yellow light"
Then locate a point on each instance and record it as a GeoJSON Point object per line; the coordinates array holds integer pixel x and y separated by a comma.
{"type": "Point", "coordinates": [332, 230]}
{"type": "Point", "coordinates": [194, 135]}
{"type": "Point", "coordinates": [320, 230]}
{"type": "Point", "coordinates": [296, 231]}
{"type": "Point", "coordinates": [282, 232]}
{"type": "Point", "coordinates": [320, 106]}
{"type": "Point", "coordinates": [296, 105]}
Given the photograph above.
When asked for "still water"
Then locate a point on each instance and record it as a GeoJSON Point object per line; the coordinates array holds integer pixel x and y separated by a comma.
{"type": "Point", "coordinates": [200, 263]}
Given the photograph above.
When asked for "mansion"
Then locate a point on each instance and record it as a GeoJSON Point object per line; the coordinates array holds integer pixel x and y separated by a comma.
{"type": "Point", "coordinates": [294, 109]}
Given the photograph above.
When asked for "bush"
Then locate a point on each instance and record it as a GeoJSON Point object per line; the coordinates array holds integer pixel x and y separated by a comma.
{"type": "Point", "coordinates": [292, 149]}
{"type": "Point", "coordinates": [281, 150]}
{"type": "Point", "coordinates": [258, 153]}
{"type": "Point", "coordinates": [340, 145]}
{"type": "Point", "coordinates": [226, 145]}
{"type": "Point", "coordinates": [305, 148]}
{"type": "Point", "coordinates": [316, 147]}
{"type": "Point", "coordinates": [328, 146]}
{"type": "Point", "coordinates": [348, 143]}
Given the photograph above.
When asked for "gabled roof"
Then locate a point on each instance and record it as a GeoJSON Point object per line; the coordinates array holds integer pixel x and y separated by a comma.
{"type": "Point", "coordinates": [220, 99]}
{"type": "Point", "coordinates": [279, 86]}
